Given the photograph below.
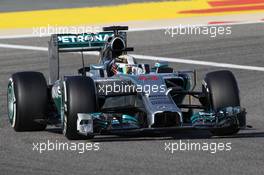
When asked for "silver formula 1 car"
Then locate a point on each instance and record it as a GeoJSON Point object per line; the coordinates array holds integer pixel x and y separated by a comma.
{"type": "Point", "coordinates": [119, 95]}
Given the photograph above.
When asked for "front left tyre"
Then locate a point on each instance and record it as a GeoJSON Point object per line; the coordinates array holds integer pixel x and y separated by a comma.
{"type": "Point", "coordinates": [27, 101]}
{"type": "Point", "coordinates": [79, 98]}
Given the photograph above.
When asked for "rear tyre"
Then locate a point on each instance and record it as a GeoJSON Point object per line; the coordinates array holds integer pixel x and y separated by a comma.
{"type": "Point", "coordinates": [222, 91]}
{"type": "Point", "coordinates": [80, 98]}
{"type": "Point", "coordinates": [27, 101]}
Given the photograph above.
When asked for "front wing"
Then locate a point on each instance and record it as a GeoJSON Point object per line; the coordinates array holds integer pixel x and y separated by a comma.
{"type": "Point", "coordinates": [104, 124]}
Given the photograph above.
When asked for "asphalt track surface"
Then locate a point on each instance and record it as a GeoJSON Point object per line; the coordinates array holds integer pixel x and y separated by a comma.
{"type": "Point", "coordinates": [25, 5]}
{"type": "Point", "coordinates": [145, 155]}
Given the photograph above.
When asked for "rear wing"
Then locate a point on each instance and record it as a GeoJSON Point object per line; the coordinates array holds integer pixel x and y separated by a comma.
{"type": "Point", "coordinates": [76, 43]}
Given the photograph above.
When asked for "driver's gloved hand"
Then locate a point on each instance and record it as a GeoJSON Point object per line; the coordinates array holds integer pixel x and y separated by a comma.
{"type": "Point", "coordinates": [111, 67]}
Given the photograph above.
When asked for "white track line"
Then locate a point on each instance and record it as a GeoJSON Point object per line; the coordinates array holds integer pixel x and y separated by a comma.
{"type": "Point", "coordinates": [11, 46]}
{"type": "Point", "coordinates": [204, 63]}
{"type": "Point", "coordinates": [152, 58]}
{"type": "Point", "coordinates": [139, 29]}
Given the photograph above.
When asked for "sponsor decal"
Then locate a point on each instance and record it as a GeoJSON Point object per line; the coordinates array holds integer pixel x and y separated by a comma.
{"type": "Point", "coordinates": [84, 38]}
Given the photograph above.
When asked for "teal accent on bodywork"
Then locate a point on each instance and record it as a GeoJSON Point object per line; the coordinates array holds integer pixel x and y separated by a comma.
{"type": "Point", "coordinates": [129, 118]}
{"type": "Point", "coordinates": [95, 114]}
{"type": "Point", "coordinates": [11, 101]}
{"type": "Point", "coordinates": [205, 117]}
{"type": "Point", "coordinates": [127, 121]}
{"type": "Point", "coordinates": [103, 124]}
{"type": "Point", "coordinates": [210, 117]}
{"type": "Point", "coordinates": [161, 64]}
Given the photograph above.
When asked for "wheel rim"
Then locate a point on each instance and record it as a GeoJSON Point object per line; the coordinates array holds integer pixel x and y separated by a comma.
{"type": "Point", "coordinates": [63, 109]}
{"type": "Point", "coordinates": [11, 101]}
{"type": "Point", "coordinates": [64, 125]}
